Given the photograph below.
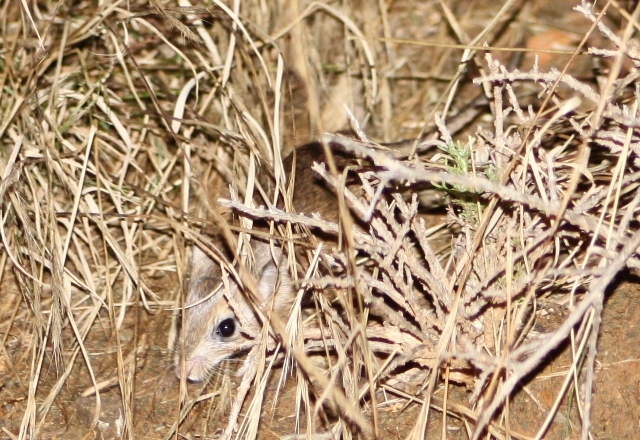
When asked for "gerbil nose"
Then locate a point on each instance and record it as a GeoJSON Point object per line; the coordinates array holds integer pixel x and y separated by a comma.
{"type": "Point", "coordinates": [195, 369]}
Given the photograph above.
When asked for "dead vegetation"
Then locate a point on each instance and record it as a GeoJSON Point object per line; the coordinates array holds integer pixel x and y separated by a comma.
{"type": "Point", "coordinates": [122, 124]}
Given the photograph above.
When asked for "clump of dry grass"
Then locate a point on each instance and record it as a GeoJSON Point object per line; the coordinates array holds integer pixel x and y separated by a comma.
{"type": "Point", "coordinates": [121, 124]}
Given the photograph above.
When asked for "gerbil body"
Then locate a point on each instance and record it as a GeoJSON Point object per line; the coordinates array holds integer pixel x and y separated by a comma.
{"type": "Point", "coordinates": [218, 320]}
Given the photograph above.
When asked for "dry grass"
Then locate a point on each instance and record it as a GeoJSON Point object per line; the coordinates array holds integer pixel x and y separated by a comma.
{"type": "Point", "coordinates": [122, 123]}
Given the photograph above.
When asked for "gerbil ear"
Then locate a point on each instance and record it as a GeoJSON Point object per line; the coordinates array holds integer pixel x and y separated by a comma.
{"type": "Point", "coordinates": [268, 281]}
{"type": "Point", "coordinates": [199, 262]}
{"type": "Point", "coordinates": [273, 273]}
{"type": "Point", "coordinates": [198, 255]}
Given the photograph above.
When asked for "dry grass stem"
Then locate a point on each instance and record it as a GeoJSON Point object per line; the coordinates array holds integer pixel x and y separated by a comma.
{"type": "Point", "coordinates": [131, 131]}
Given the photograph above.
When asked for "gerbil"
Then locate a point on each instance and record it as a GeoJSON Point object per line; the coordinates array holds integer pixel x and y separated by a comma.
{"type": "Point", "coordinates": [217, 328]}
{"type": "Point", "coordinates": [220, 326]}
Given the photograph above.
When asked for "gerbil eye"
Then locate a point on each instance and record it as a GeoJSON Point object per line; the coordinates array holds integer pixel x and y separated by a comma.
{"type": "Point", "coordinates": [226, 328]}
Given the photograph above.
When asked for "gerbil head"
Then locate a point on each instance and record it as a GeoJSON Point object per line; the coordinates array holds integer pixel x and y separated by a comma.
{"type": "Point", "coordinates": [218, 320]}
